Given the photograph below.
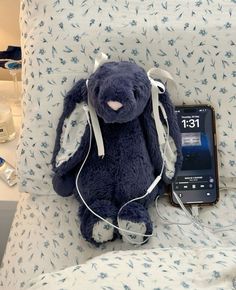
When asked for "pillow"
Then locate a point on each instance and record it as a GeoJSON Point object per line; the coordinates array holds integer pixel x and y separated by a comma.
{"type": "Point", "coordinates": [60, 40]}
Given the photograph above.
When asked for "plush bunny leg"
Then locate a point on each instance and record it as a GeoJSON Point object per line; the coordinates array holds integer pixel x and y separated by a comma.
{"type": "Point", "coordinates": [135, 217]}
{"type": "Point", "coordinates": [92, 228]}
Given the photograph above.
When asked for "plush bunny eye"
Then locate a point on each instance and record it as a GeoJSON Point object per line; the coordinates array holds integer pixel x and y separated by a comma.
{"type": "Point", "coordinates": [96, 90]}
{"type": "Point", "coordinates": [135, 92]}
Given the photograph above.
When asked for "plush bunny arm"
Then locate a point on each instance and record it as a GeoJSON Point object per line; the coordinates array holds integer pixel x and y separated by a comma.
{"type": "Point", "coordinates": [64, 185]}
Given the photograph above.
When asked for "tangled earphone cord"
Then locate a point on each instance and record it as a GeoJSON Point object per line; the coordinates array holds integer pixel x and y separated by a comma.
{"type": "Point", "coordinates": [192, 219]}
{"type": "Point", "coordinates": [151, 187]}
{"type": "Point", "coordinates": [147, 236]}
{"type": "Point", "coordinates": [78, 190]}
{"type": "Point", "coordinates": [153, 74]}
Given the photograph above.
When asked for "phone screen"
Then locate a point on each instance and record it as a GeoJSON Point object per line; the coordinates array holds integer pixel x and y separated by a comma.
{"type": "Point", "coordinates": [197, 181]}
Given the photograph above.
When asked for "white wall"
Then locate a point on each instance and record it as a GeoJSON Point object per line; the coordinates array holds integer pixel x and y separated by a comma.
{"type": "Point", "coordinates": [9, 28]}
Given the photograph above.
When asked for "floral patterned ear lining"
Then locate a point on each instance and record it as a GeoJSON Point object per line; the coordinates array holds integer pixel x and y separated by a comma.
{"type": "Point", "coordinates": [72, 131]}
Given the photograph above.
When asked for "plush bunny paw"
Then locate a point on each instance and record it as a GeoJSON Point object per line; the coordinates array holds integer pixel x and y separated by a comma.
{"type": "Point", "coordinates": [135, 218]}
{"type": "Point", "coordinates": [137, 228]}
{"type": "Point", "coordinates": [95, 230]}
{"type": "Point", "coordinates": [103, 232]}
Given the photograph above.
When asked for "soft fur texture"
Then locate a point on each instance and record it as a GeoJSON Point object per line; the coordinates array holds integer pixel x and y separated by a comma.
{"type": "Point", "coordinates": [132, 155]}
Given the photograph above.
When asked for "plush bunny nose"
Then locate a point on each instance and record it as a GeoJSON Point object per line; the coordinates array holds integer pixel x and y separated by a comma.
{"type": "Point", "coordinates": [114, 105]}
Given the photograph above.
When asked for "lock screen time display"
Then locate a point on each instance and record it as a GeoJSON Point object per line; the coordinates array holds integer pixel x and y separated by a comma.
{"type": "Point", "coordinates": [191, 123]}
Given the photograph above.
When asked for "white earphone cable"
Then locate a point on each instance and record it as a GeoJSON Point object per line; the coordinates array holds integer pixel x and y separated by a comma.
{"type": "Point", "coordinates": [166, 220]}
{"type": "Point", "coordinates": [193, 219]}
{"type": "Point", "coordinates": [138, 198]}
{"type": "Point", "coordinates": [152, 186]}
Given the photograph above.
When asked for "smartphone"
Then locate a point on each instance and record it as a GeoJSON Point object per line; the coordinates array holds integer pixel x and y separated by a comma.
{"type": "Point", "coordinates": [197, 180]}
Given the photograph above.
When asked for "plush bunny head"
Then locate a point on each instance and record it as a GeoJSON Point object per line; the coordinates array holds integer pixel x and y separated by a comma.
{"type": "Point", "coordinates": [119, 91]}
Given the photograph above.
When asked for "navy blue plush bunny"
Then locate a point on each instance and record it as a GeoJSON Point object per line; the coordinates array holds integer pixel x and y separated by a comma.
{"type": "Point", "coordinates": [120, 93]}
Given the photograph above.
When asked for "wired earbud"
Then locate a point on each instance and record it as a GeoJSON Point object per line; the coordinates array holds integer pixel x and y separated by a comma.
{"type": "Point", "coordinates": [138, 198]}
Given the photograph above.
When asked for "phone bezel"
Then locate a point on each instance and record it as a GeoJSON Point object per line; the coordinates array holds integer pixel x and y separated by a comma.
{"type": "Point", "coordinates": [215, 157]}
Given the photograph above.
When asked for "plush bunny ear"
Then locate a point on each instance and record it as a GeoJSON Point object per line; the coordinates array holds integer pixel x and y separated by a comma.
{"type": "Point", "coordinates": [158, 117]}
{"type": "Point", "coordinates": [71, 129]}
{"type": "Point", "coordinates": [170, 148]}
